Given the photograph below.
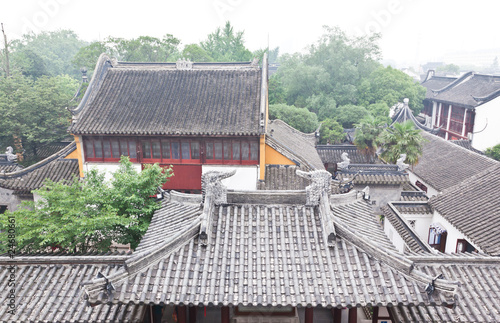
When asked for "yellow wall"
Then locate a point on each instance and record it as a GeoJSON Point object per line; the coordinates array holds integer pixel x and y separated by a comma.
{"type": "Point", "coordinates": [73, 155]}
{"type": "Point", "coordinates": [79, 154]}
{"type": "Point", "coordinates": [262, 162]}
{"type": "Point", "coordinates": [275, 158]}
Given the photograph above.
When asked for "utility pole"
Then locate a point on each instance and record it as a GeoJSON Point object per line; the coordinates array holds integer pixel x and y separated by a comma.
{"type": "Point", "coordinates": [6, 53]}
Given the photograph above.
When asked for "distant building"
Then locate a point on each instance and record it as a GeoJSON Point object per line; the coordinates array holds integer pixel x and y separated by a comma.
{"type": "Point", "coordinates": [467, 107]}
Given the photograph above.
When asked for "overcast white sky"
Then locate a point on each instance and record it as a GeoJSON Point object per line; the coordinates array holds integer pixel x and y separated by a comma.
{"type": "Point", "coordinates": [412, 30]}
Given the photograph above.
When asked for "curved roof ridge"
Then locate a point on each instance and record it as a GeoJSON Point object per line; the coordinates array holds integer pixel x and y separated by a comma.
{"type": "Point", "coordinates": [60, 154]}
{"type": "Point", "coordinates": [303, 134]}
{"type": "Point", "coordinates": [456, 82]}
{"type": "Point", "coordinates": [487, 97]}
{"type": "Point", "coordinates": [102, 65]}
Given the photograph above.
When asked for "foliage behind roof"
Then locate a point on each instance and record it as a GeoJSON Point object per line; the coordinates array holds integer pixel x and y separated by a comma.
{"type": "Point", "coordinates": [161, 99]}
{"type": "Point", "coordinates": [444, 164]}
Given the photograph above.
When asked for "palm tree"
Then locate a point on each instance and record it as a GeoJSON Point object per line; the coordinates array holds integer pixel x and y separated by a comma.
{"type": "Point", "coordinates": [367, 135]}
{"type": "Point", "coordinates": [403, 138]}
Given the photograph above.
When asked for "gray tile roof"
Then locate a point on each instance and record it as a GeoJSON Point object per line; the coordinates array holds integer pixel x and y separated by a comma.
{"type": "Point", "coordinates": [55, 168]}
{"type": "Point", "coordinates": [444, 164]}
{"type": "Point", "coordinates": [49, 289]}
{"type": "Point", "coordinates": [409, 196]}
{"type": "Point", "coordinates": [159, 99]}
{"type": "Point", "coordinates": [269, 254]}
{"type": "Point", "coordinates": [297, 146]}
{"type": "Point", "coordinates": [436, 83]}
{"type": "Point", "coordinates": [393, 213]}
{"type": "Point", "coordinates": [375, 174]}
{"type": "Point", "coordinates": [469, 91]}
{"type": "Point", "coordinates": [478, 297]}
{"type": "Point", "coordinates": [283, 177]}
{"type": "Point", "coordinates": [332, 154]}
{"type": "Point", "coordinates": [472, 207]}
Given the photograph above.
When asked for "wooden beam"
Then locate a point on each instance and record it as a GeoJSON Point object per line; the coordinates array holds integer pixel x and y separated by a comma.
{"type": "Point", "coordinates": [181, 314]}
{"type": "Point", "coordinates": [375, 314]}
{"type": "Point", "coordinates": [224, 313]}
{"type": "Point", "coordinates": [192, 314]}
{"type": "Point", "coordinates": [309, 315]}
{"type": "Point", "coordinates": [353, 315]}
{"type": "Point", "coordinates": [337, 315]}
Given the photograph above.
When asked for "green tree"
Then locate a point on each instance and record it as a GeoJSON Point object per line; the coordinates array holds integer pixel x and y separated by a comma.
{"type": "Point", "coordinates": [348, 115]}
{"type": "Point", "coordinates": [389, 86]}
{"type": "Point", "coordinates": [380, 111]}
{"type": "Point", "coordinates": [335, 65]}
{"type": "Point", "coordinates": [87, 215]}
{"type": "Point", "coordinates": [145, 48]}
{"type": "Point", "coordinates": [276, 90]}
{"type": "Point", "coordinates": [195, 53]}
{"type": "Point", "coordinates": [299, 118]}
{"type": "Point", "coordinates": [367, 134]}
{"type": "Point", "coordinates": [331, 132]}
{"type": "Point", "coordinates": [493, 152]}
{"type": "Point", "coordinates": [402, 139]}
{"type": "Point", "coordinates": [226, 45]}
{"type": "Point", "coordinates": [323, 105]}
{"type": "Point", "coordinates": [87, 56]}
{"type": "Point", "coordinates": [34, 111]}
{"type": "Point", "coordinates": [47, 53]}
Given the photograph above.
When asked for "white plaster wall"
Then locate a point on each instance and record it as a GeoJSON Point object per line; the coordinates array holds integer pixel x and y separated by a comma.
{"type": "Point", "coordinates": [394, 236]}
{"type": "Point", "coordinates": [108, 168]}
{"type": "Point", "coordinates": [453, 233]}
{"type": "Point", "coordinates": [422, 223]}
{"type": "Point", "coordinates": [8, 198]}
{"type": "Point", "coordinates": [487, 115]}
{"type": "Point", "coordinates": [245, 178]}
{"type": "Point", "coordinates": [431, 191]}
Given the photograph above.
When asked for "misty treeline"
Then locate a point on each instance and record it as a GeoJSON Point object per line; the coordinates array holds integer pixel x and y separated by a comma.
{"type": "Point", "coordinates": [337, 80]}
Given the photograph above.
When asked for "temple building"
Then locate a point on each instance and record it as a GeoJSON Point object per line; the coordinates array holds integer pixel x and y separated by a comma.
{"type": "Point", "coordinates": [197, 117]}
{"type": "Point", "coordinates": [465, 108]}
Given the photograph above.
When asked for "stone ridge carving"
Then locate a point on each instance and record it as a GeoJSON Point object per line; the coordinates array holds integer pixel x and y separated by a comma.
{"type": "Point", "coordinates": [320, 183]}
{"type": "Point", "coordinates": [400, 162]}
{"type": "Point", "coordinates": [10, 156]}
{"type": "Point", "coordinates": [344, 164]}
{"type": "Point", "coordinates": [211, 183]}
{"type": "Point", "coordinates": [183, 64]}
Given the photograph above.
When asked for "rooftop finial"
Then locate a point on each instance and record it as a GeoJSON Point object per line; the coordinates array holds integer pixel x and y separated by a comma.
{"type": "Point", "coordinates": [183, 64]}
{"type": "Point", "coordinates": [320, 183]}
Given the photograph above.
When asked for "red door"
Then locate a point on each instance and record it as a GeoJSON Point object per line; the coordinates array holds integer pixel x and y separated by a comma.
{"type": "Point", "coordinates": [186, 177]}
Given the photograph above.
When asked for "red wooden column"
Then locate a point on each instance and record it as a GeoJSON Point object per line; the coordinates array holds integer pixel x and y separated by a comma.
{"type": "Point", "coordinates": [337, 315]}
{"type": "Point", "coordinates": [224, 314]}
{"type": "Point", "coordinates": [192, 314]}
{"type": "Point", "coordinates": [375, 314]}
{"type": "Point", "coordinates": [353, 315]}
{"type": "Point", "coordinates": [181, 314]}
{"type": "Point", "coordinates": [309, 315]}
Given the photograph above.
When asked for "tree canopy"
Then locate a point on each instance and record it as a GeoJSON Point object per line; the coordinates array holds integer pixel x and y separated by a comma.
{"type": "Point", "coordinates": [226, 45]}
{"type": "Point", "coordinates": [493, 152]}
{"type": "Point", "coordinates": [299, 118]}
{"type": "Point", "coordinates": [34, 111]}
{"type": "Point", "coordinates": [90, 214]}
